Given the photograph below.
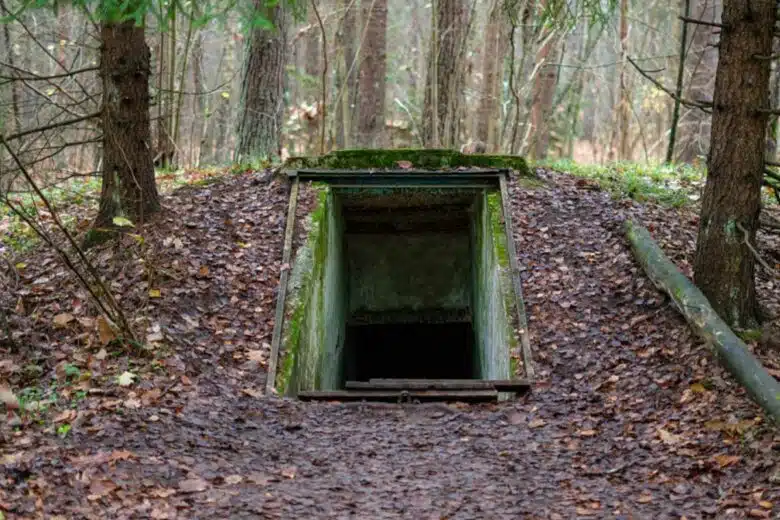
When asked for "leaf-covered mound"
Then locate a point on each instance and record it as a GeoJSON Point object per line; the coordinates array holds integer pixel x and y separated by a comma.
{"type": "Point", "coordinates": [632, 418]}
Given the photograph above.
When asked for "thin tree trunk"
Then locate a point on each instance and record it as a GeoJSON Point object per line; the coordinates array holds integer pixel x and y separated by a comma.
{"type": "Point", "coordinates": [371, 90]}
{"type": "Point", "coordinates": [129, 188]}
{"type": "Point", "coordinates": [679, 88]}
{"type": "Point", "coordinates": [543, 94]}
{"type": "Point", "coordinates": [694, 131]}
{"type": "Point", "coordinates": [15, 119]}
{"type": "Point", "coordinates": [444, 82]}
{"type": "Point", "coordinates": [198, 103]}
{"type": "Point", "coordinates": [724, 265]}
{"type": "Point", "coordinates": [624, 104]}
{"type": "Point", "coordinates": [492, 67]}
{"type": "Point", "coordinates": [262, 89]}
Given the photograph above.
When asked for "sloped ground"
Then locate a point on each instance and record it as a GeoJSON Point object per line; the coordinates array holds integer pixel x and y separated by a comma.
{"type": "Point", "coordinates": [631, 417]}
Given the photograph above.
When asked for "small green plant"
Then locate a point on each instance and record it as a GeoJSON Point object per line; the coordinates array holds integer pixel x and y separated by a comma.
{"type": "Point", "coordinates": [63, 430]}
{"type": "Point", "coordinates": [673, 185]}
{"type": "Point", "coordinates": [72, 371]}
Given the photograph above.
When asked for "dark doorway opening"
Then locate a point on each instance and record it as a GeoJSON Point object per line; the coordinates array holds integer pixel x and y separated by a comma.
{"type": "Point", "coordinates": [410, 351]}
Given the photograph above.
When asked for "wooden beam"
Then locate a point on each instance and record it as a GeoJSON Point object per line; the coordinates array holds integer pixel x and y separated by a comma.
{"type": "Point", "coordinates": [276, 338]}
{"type": "Point", "coordinates": [504, 385]}
{"type": "Point", "coordinates": [470, 396]}
{"type": "Point", "coordinates": [522, 319]}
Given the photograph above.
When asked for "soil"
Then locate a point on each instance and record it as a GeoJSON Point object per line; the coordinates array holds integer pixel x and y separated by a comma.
{"type": "Point", "coordinates": [631, 417]}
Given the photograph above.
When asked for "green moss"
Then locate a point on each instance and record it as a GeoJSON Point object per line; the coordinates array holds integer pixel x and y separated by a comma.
{"type": "Point", "coordinates": [749, 334]}
{"type": "Point", "coordinates": [300, 298]}
{"type": "Point", "coordinates": [501, 250]}
{"type": "Point", "coordinates": [420, 158]}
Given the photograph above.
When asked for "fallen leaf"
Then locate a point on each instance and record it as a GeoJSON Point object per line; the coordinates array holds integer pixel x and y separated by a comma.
{"type": "Point", "coordinates": [99, 488]}
{"type": "Point", "coordinates": [251, 392]}
{"type": "Point", "coordinates": [204, 270]}
{"type": "Point", "coordinates": [106, 332]}
{"type": "Point", "coordinates": [536, 423]}
{"type": "Point", "coordinates": [126, 378]}
{"type": "Point", "coordinates": [101, 355]}
{"type": "Point", "coordinates": [404, 165]}
{"type": "Point", "coordinates": [155, 337]}
{"type": "Point", "coordinates": [256, 355]}
{"type": "Point", "coordinates": [668, 438]}
{"type": "Point", "coordinates": [289, 472]}
{"type": "Point", "coordinates": [726, 460]}
{"type": "Point", "coordinates": [587, 433]}
{"type": "Point", "coordinates": [155, 293]}
{"type": "Point", "coordinates": [645, 498]}
{"type": "Point", "coordinates": [766, 504]}
{"type": "Point", "coordinates": [66, 416]}
{"type": "Point", "coordinates": [758, 513]}
{"type": "Point", "coordinates": [234, 479]}
{"type": "Point", "coordinates": [193, 485]}
{"type": "Point", "coordinates": [63, 319]}
{"type": "Point", "coordinates": [8, 398]}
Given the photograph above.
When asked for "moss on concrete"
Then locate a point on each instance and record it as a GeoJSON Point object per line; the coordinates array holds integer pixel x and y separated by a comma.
{"type": "Point", "coordinates": [300, 278]}
{"type": "Point", "coordinates": [420, 158]}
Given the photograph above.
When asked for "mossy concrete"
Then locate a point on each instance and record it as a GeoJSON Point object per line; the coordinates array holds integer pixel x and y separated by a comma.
{"type": "Point", "coordinates": [418, 157]}
{"type": "Point", "coordinates": [492, 291]}
{"type": "Point", "coordinates": [339, 274]}
{"type": "Point", "coordinates": [314, 333]}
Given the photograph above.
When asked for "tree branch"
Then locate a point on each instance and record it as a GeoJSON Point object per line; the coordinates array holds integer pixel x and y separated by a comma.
{"type": "Point", "coordinates": [51, 126]}
{"type": "Point", "coordinates": [31, 76]}
{"type": "Point", "coordinates": [688, 19]}
{"type": "Point", "coordinates": [705, 107]}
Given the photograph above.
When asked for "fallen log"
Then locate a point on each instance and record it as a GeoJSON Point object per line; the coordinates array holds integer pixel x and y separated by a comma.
{"type": "Point", "coordinates": [689, 300]}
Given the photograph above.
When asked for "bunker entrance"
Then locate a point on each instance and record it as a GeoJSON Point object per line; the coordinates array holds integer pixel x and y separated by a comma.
{"type": "Point", "coordinates": [410, 285]}
{"type": "Point", "coordinates": [402, 288]}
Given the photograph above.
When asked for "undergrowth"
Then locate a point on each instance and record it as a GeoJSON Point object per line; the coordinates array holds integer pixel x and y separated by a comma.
{"type": "Point", "coordinates": [672, 185]}
{"type": "Point", "coordinates": [76, 200]}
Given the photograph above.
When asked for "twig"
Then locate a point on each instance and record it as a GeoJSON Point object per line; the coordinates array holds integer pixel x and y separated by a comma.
{"type": "Point", "coordinates": [753, 250]}
{"type": "Point", "coordinates": [705, 107]}
{"type": "Point", "coordinates": [118, 313]}
{"type": "Point", "coordinates": [688, 19]}
{"type": "Point", "coordinates": [31, 76]}
{"type": "Point", "coordinates": [51, 126]}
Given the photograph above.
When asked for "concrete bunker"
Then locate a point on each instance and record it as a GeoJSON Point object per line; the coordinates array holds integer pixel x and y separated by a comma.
{"type": "Point", "coordinates": [403, 283]}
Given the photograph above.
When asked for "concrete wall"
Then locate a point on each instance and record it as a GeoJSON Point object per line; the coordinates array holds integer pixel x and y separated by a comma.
{"type": "Point", "coordinates": [315, 329]}
{"type": "Point", "coordinates": [334, 275]}
{"type": "Point", "coordinates": [409, 272]}
{"type": "Point", "coordinates": [491, 297]}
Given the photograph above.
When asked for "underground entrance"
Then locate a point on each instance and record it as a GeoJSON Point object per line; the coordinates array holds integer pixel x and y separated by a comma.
{"type": "Point", "coordinates": [402, 287]}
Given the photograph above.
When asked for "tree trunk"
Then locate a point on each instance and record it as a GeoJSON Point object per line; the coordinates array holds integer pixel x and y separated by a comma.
{"type": "Point", "coordinates": [624, 102]}
{"type": "Point", "coordinates": [344, 114]}
{"type": "Point", "coordinates": [724, 265]}
{"type": "Point", "coordinates": [15, 119]}
{"type": "Point", "coordinates": [371, 90]}
{"type": "Point", "coordinates": [543, 95]}
{"type": "Point", "coordinates": [445, 78]}
{"type": "Point", "coordinates": [693, 305]}
{"type": "Point", "coordinates": [262, 89]}
{"type": "Point", "coordinates": [492, 68]}
{"type": "Point", "coordinates": [129, 188]}
{"type": "Point", "coordinates": [694, 130]}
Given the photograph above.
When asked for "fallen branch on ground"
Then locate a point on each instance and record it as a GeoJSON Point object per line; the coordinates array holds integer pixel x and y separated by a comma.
{"type": "Point", "coordinates": [693, 305]}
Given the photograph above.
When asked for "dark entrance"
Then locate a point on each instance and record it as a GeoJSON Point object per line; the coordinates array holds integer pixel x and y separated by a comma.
{"type": "Point", "coordinates": [410, 351]}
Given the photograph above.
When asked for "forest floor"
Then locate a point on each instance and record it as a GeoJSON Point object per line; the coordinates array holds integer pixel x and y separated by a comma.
{"type": "Point", "coordinates": [630, 418]}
